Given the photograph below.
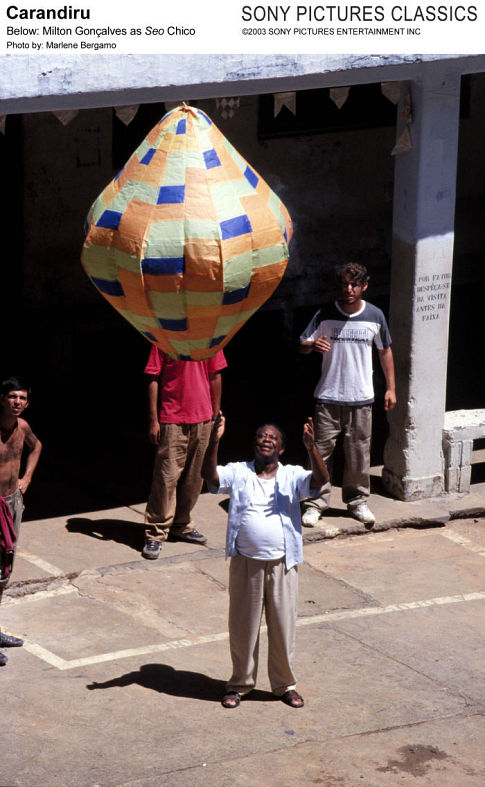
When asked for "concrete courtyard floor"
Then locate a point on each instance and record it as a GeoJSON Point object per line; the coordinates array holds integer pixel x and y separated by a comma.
{"type": "Point", "coordinates": [118, 683]}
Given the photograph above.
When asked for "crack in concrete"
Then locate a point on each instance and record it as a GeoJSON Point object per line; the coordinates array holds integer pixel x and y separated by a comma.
{"type": "Point", "coordinates": [30, 586]}
{"type": "Point", "coordinates": [353, 529]}
{"type": "Point", "coordinates": [361, 594]}
{"type": "Point", "coordinates": [212, 579]}
{"type": "Point", "coordinates": [150, 617]}
{"type": "Point", "coordinates": [83, 594]}
{"type": "Point", "coordinates": [469, 702]}
{"type": "Point", "coordinates": [409, 725]}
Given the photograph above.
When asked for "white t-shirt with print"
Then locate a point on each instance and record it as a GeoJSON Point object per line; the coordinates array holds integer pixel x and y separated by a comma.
{"type": "Point", "coordinates": [346, 375]}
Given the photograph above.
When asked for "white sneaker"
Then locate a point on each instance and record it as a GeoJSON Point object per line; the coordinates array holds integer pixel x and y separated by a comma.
{"type": "Point", "coordinates": [310, 517]}
{"type": "Point", "coordinates": [362, 513]}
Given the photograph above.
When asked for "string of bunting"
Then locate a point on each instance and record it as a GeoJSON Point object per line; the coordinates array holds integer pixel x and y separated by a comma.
{"type": "Point", "coordinates": [227, 107]}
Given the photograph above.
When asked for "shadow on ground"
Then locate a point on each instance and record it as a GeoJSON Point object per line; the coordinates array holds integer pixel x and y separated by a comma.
{"type": "Point", "coordinates": [178, 683]}
{"type": "Point", "coordinates": [120, 530]}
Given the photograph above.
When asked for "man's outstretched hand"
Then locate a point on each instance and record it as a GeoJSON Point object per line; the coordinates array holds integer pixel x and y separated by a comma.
{"type": "Point", "coordinates": [320, 474]}
{"type": "Point", "coordinates": [308, 434]}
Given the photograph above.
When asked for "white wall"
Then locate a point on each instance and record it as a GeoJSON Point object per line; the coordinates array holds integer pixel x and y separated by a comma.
{"type": "Point", "coordinates": [43, 82]}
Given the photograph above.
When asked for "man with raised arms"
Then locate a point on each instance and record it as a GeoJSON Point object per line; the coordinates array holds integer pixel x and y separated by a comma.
{"type": "Point", "coordinates": [265, 545]}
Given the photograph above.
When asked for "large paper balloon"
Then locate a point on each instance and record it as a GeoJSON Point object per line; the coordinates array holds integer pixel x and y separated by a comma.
{"type": "Point", "coordinates": [188, 241]}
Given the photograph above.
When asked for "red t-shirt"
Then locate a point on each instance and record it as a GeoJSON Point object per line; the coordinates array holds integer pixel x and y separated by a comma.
{"type": "Point", "coordinates": [184, 386]}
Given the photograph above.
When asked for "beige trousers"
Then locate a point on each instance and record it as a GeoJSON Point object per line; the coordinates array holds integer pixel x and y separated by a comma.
{"type": "Point", "coordinates": [255, 585]}
{"type": "Point", "coordinates": [177, 481]}
{"type": "Point", "coordinates": [356, 424]}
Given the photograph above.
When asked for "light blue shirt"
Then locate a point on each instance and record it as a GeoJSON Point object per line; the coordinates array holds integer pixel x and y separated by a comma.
{"type": "Point", "coordinates": [292, 485]}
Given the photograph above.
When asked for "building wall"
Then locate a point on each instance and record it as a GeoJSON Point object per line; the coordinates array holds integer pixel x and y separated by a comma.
{"type": "Point", "coordinates": [63, 169]}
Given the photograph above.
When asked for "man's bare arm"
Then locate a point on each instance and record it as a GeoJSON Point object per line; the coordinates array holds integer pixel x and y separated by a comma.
{"type": "Point", "coordinates": [306, 348]}
{"type": "Point", "coordinates": [153, 422]}
{"type": "Point", "coordinates": [209, 465]}
{"type": "Point", "coordinates": [387, 363]}
{"type": "Point", "coordinates": [34, 447]}
{"type": "Point", "coordinates": [320, 475]}
{"type": "Point", "coordinates": [215, 382]}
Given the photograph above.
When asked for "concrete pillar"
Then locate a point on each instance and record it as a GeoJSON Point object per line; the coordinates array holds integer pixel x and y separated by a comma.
{"type": "Point", "coordinates": [424, 209]}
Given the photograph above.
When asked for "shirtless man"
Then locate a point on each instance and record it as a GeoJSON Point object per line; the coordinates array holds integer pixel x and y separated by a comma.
{"type": "Point", "coordinates": [15, 435]}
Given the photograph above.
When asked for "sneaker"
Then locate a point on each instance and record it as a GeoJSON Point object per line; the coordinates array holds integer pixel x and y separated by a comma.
{"type": "Point", "coordinates": [193, 537]}
{"type": "Point", "coordinates": [3, 659]}
{"type": "Point", "coordinates": [151, 550]}
{"type": "Point", "coordinates": [7, 641]}
{"type": "Point", "coordinates": [310, 517]}
{"type": "Point", "coordinates": [362, 513]}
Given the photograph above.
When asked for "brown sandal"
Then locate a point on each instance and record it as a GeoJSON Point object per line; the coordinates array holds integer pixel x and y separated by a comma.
{"type": "Point", "coordinates": [293, 699]}
{"type": "Point", "coordinates": [231, 700]}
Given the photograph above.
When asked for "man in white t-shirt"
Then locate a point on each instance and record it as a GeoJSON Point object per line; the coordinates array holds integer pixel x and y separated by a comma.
{"type": "Point", "coordinates": [265, 546]}
{"type": "Point", "coordinates": [343, 332]}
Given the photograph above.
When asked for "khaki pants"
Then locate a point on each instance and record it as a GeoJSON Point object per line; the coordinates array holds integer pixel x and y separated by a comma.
{"type": "Point", "coordinates": [356, 424]}
{"type": "Point", "coordinates": [255, 585]}
{"type": "Point", "coordinates": [177, 481]}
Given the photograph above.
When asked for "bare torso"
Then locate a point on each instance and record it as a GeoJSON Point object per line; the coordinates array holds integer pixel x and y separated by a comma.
{"type": "Point", "coordinates": [11, 446]}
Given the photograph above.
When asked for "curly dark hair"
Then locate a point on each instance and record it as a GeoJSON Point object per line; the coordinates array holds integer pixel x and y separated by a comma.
{"type": "Point", "coordinates": [356, 271]}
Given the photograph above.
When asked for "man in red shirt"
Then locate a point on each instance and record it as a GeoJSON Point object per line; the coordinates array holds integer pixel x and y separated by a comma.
{"type": "Point", "coordinates": [183, 398]}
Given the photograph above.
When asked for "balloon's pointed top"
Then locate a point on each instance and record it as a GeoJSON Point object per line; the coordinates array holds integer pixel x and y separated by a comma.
{"type": "Point", "coordinates": [186, 108]}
